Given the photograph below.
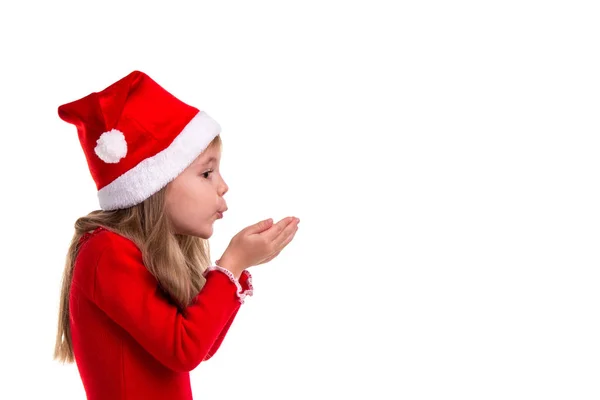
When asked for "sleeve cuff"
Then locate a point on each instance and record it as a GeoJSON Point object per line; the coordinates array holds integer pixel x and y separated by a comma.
{"type": "Point", "coordinates": [246, 282]}
{"type": "Point", "coordinates": [244, 285]}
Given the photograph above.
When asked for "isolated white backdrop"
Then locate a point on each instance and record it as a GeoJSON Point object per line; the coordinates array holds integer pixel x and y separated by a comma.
{"type": "Point", "coordinates": [442, 157]}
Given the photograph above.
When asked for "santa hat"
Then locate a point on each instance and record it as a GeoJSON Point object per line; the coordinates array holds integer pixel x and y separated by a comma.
{"type": "Point", "coordinates": [137, 137]}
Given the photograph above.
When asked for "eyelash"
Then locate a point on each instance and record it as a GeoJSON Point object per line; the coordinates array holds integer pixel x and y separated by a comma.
{"type": "Point", "coordinates": [208, 172]}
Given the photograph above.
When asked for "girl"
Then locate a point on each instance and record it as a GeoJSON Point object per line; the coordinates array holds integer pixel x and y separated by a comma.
{"type": "Point", "coordinates": [141, 304]}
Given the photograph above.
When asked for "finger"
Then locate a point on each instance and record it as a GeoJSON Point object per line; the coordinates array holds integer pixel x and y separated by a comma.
{"type": "Point", "coordinates": [259, 226]}
{"type": "Point", "coordinates": [273, 232]}
{"type": "Point", "coordinates": [289, 239]}
{"type": "Point", "coordinates": [285, 243]}
{"type": "Point", "coordinates": [285, 235]}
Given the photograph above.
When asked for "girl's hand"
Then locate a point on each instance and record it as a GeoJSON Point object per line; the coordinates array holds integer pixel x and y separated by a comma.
{"type": "Point", "coordinates": [258, 244]}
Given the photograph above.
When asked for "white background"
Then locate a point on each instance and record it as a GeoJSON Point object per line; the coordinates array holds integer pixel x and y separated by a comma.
{"type": "Point", "coordinates": [442, 157]}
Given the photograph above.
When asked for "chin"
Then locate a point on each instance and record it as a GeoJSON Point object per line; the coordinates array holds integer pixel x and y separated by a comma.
{"type": "Point", "coordinates": [204, 232]}
{"type": "Point", "coordinates": [204, 236]}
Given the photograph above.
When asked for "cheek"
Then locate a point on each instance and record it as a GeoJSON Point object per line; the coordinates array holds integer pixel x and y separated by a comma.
{"type": "Point", "coordinates": [192, 201]}
{"type": "Point", "coordinates": [188, 205]}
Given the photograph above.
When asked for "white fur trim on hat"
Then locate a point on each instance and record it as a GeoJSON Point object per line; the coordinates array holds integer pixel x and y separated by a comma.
{"type": "Point", "coordinates": [111, 146]}
{"type": "Point", "coordinates": [154, 173]}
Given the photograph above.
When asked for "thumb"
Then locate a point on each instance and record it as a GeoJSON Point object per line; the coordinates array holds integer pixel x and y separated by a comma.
{"type": "Point", "coordinates": [260, 226]}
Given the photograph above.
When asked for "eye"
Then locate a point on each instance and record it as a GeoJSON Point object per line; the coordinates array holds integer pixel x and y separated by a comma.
{"type": "Point", "coordinates": [204, 174]}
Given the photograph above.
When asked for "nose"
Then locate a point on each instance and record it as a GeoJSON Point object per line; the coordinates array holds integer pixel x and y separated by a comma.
{"type": "Point", "coordinates": [224, 188]}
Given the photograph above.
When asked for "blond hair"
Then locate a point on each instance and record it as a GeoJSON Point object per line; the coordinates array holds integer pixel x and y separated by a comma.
{"type": "Point", "coordinates": [176, 261]}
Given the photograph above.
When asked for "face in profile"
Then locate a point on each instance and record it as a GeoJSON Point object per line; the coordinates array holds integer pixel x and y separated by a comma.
{"type": "Point", "coordinates": [195, 198]}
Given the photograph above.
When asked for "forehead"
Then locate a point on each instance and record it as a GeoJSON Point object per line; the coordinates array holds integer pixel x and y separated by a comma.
{"type": "Point", "coordinates": [207, 156]}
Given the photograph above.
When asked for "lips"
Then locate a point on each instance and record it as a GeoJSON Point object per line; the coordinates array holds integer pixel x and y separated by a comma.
{"type": "Point", "coordinates": [220, 215]}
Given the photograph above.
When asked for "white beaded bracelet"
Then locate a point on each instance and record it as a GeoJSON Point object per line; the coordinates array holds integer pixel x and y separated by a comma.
{"type": "Point", "coordinates": [241, 294]}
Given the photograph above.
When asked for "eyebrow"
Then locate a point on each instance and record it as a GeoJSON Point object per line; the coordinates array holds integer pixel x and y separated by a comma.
{"type": "Point", "coordinates": [208, 161]}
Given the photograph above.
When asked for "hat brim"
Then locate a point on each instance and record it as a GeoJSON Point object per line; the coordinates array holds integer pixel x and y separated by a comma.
{"type": "Point", "coordinates": [154, 173]}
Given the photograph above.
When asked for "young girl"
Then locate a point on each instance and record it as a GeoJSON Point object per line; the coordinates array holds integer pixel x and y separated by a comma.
{"type": "Point", "coordinates": [141, 303]}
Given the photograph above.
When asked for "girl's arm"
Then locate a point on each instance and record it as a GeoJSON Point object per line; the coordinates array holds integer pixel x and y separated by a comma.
{"type": "Point", "coordinates": [219, 340]}
{"type": "Point", "coordinates": [246, 283]}
{"type": "Point", "coordinates": [110, 271]}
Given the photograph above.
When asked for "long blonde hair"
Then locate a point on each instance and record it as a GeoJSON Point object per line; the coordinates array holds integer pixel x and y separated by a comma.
{"type": "Point", "coordinates": [177, 261]}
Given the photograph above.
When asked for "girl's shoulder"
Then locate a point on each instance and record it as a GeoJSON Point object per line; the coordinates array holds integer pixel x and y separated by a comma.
{"type": "Point", "coordinates": [105, 255]}
{"type": "Point", "coordinates": [101, 240]}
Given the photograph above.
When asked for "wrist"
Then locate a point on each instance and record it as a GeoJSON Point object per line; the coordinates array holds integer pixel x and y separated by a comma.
{"type": "Point", "coordinates": [231, 266]}
{"type": "Point", "coordinates": [243, 282]}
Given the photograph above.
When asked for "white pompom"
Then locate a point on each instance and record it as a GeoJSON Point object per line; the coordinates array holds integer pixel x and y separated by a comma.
{"type": "Point", "coordinates": [111, 147]}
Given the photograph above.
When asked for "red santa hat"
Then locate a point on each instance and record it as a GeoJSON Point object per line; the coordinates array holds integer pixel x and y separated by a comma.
{"type": "Point", "coordinates": [137, 137]}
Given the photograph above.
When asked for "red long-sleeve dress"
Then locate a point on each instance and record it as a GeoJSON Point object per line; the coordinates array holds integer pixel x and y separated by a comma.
{"type": "Point", "coordinates": [130, 342]}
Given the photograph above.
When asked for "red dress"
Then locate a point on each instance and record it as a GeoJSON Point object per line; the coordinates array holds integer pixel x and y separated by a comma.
{"type": "Point", "coordinates": [129, 340]}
